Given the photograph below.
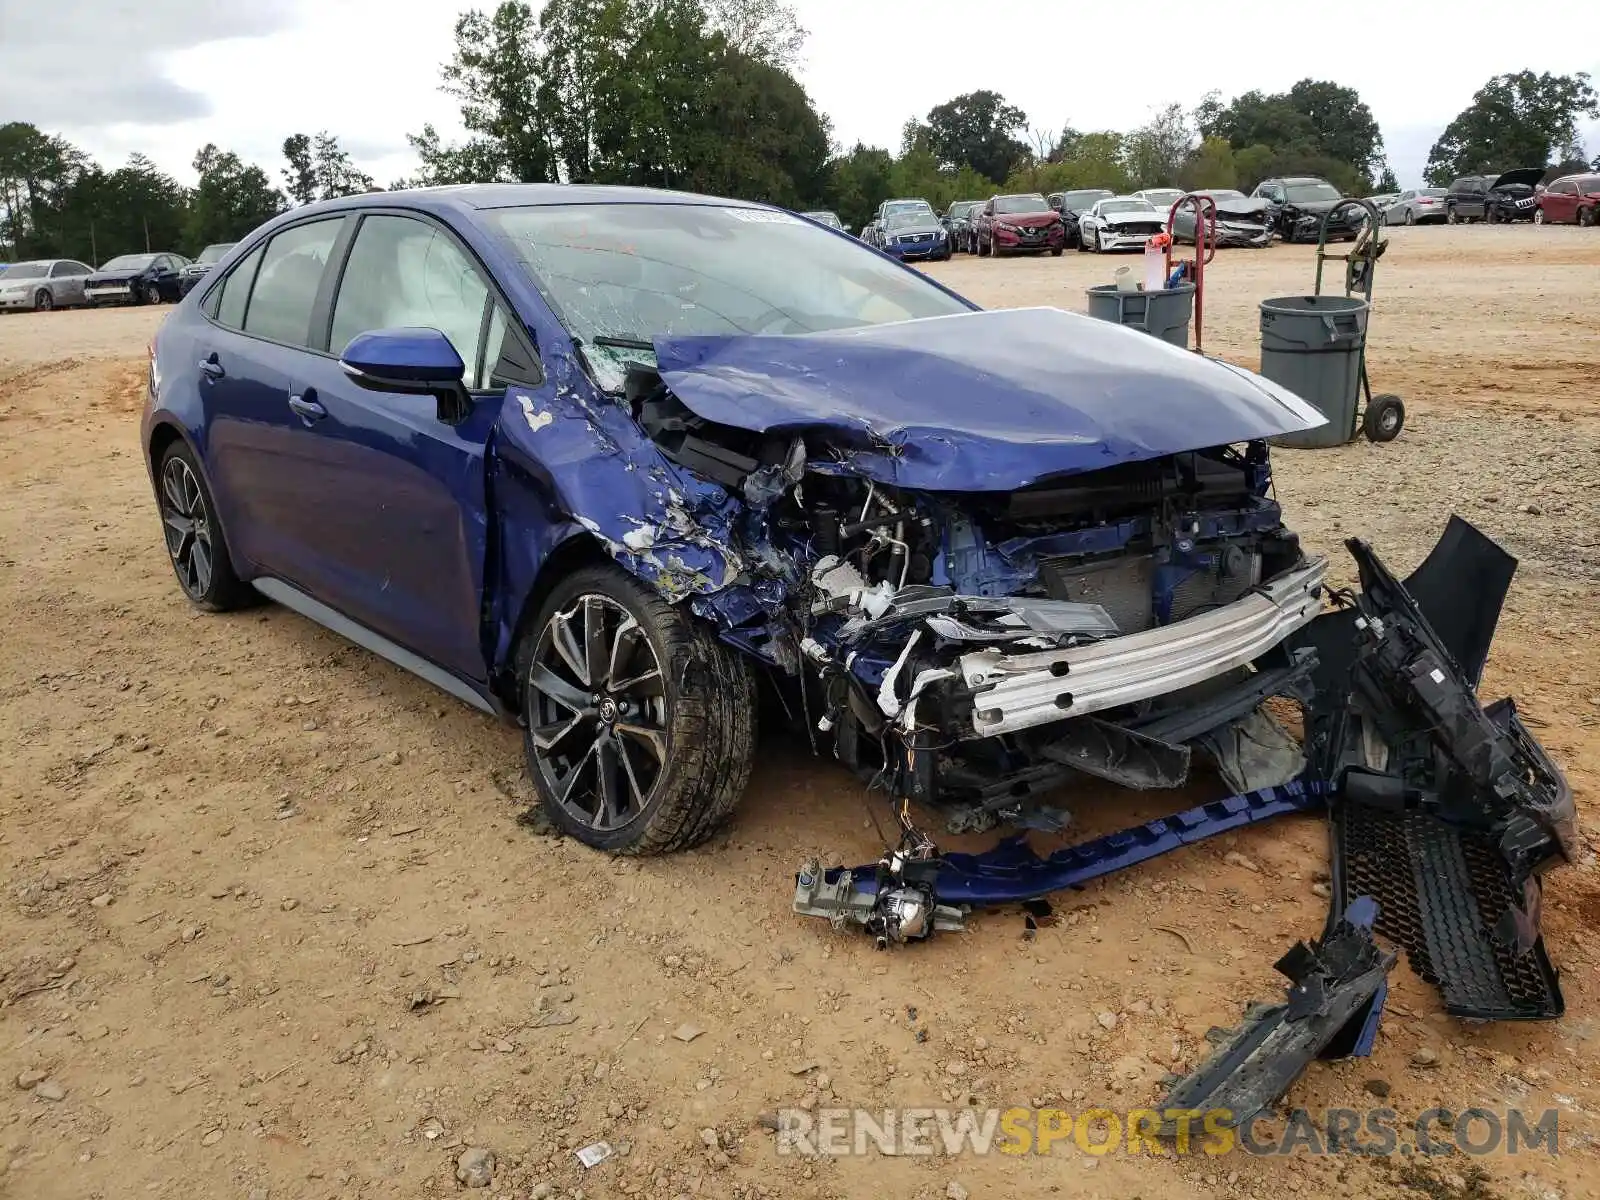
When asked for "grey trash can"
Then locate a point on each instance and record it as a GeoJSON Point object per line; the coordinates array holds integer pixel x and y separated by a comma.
{"type": "Point", "coordinates": [1164, 314]}
{"type": "Point", "coordinates": [1312, 345]}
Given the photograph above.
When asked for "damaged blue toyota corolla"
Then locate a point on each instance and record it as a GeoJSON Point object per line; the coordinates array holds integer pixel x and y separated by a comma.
{"type": "Point", "coordinates": [602, 460]}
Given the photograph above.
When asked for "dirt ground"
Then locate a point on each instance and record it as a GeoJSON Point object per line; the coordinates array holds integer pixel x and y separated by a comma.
{"type": "Point", "coordinates": [237, 850]}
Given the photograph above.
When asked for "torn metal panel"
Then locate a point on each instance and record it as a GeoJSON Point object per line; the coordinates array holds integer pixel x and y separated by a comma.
{"type": "Point", "coordinates": [1336, 990]}
{"type": "Point", "coordinates": [593, 465]}
{"type": "Point", "coordinates": [983, 401]}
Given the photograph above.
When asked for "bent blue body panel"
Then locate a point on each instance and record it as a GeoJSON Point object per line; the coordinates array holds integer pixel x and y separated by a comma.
{"type": "Point", "coordinates": [982, 401]}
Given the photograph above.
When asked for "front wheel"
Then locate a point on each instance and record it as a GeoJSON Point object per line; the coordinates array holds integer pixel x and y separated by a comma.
{"type": "Point", "coordinates": [1586, 217]}
{"type": "Point", "coordinates": [982, 251]}
{"type": "Point", "coordinates": [1099, 245]}
{"type": "Point", "coordinates": [44, 301]}
{"type": "Point", "coordinates": [640, 724]}
{"type": "Point", "coordinates": [1056, 253]}
{"type": "Point", "coordinates": [152, 294]}
{"type": "Point", "coordinates": [1538, 216]}
{"type": "Point", "coordinates": [1450, 217]}
{"type": "Point", "coordinates": [1385, 418]}
{"type": "Point", "coordinates": [1491, 216]}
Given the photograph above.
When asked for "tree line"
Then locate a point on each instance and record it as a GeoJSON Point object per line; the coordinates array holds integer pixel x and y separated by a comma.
{"type": "Point", "coordinates": [701, 95]}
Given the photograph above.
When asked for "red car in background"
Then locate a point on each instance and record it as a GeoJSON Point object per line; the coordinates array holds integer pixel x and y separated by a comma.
{"type": "Point", "coordinates": [1572, 198]}
{"type": "Point", "coordinates": [1021, 224]}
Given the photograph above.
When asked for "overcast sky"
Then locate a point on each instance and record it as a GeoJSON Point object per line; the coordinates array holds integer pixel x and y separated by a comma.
{"type": "Point", "coordinates": [166, 76]}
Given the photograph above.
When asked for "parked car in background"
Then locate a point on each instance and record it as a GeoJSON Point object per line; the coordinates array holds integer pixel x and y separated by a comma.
{"type": "Point", "coordinates": [1494, 199]}
{"type": "Point", "coordinates": [1571, 199]}
{"type": "Point", "coordinates": [1023, 223]}
{"type": "Point", "coordinates": [1161, 199]}
{"type": "Point", "coordinates": [913, 234]}
{"type": "Point", "coordinates": [828, 217]}
{"type": "Point", "coordinates": [957, 221]}
{"type": "Point", "coordinates": [1297, 205]}
{"type": "Point", "coordinates": [872, 232]}
{"type": "Point", "coordinates": [43, 284]}
{"type": "Point", "coordinates": [1383, 200]}
{"type": "Point", "coordinates": [1072, 205]}
{"type": "Point", "coordinates": [1120, 223]}
{"type": "Point", "coordinates": [195, 271]}
{"type": "Point", "coordinates": [1240, 220]}
{"type": "Point", "coordinates": [1416, 206]}
{"type": "Point", "coordinates": [137, 279]}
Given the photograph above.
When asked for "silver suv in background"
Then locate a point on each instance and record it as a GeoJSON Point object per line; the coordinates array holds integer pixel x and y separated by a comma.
{"type": "Point", "coordinates": [42, 284]}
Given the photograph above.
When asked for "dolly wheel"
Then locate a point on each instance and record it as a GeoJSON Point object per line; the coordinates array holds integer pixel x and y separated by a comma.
{"type": "Point", "coordinates": [1386, 417]}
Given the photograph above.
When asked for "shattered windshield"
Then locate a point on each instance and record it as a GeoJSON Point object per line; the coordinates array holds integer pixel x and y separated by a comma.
{"type": "Point", "coordinates": [630, 272]}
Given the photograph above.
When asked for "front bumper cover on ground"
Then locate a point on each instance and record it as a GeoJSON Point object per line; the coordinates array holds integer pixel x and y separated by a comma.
{"type": "Point", "coordinates": [1446, 815]}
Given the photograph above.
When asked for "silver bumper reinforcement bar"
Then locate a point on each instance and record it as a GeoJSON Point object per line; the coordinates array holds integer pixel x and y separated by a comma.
{"type": "Point", "coordinates": [1019, 691]}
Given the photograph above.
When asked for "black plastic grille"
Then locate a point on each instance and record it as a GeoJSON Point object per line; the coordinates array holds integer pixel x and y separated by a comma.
{"type": "Point", "coordinates": [1440, 891]}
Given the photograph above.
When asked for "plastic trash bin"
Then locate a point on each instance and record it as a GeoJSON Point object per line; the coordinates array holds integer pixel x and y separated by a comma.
{"type": "Point", "coordinates": [1312, 345]}
{"type": "Point", "coordinates": [1164, 314]}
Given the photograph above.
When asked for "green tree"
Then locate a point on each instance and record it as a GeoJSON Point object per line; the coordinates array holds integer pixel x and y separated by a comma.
{"type": "Point", "coordinates": [37, 171]}
{"type": "Point", "coordinates": [1156, 152]}
{"type": "Point", "coordinates": [1386, 181]}
{"type": "Point", "coordinates": [1514, 120]}
{"type": "Point", "coordinates": [765, 30]}
{"type": "Point", "coordinates": [858, 182]}
{"type": "Point", "coordinates": [299, 176]}
{"type": "Point", "coordinates": [978, 130]}
{"type": "Point", "coordinates": [1212, 165]}
{"type": "Point", "coordinates": [494, 75]}
{"type": "Point", "coordinates": [1316, 127]}
{"type": "Point", "coordinates": [229, 201]}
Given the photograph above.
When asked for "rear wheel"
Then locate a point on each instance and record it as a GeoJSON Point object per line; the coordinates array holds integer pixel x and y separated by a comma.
{"type": "Point", "coordinates": [195, 543]}
{"type": "Point", "coordinates": [1385, 418]}
{"type": "Point", "coordinates": [1411, 216]}
{"type": "Point", "coordinates": [640, 724]}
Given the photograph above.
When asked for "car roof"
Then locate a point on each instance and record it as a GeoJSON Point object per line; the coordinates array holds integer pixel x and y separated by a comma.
{"type": "Point", "coordinates": [487, 196]}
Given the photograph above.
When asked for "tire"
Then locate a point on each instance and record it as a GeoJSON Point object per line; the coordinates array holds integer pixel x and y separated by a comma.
{"type": "Point", "coordinates": [195, 543]}
{"type": "Point", "coordinates": [1411, 216]}
{"type": "Point", "coordinates": [981, 252]}
{"type": "Point", "coordinates": [1538, 216]}
{"type": "Point", "coordinates": [1586, 217]}
{"type": "Point", "coordinates": [1099, 246]}
{"type": "Point", "coordinates": [994, 248]}
{"type": "Point", "coordinates": [692, 734]}
{"type": "Point", "coordinates": [1450, 217]}
{"type": "Point", "coordinates": [151, 294]}
{"type": "Point", "coordinates": [1056, 253]}
{"type": "Point", "coordinates": [1082, 246]}
{"type": "Point", "coordinates": [44, 301]}
{"type": "Point", "coordinates": [1490, 215]}
{"type": "Point", "coordinates": [1385, 418]}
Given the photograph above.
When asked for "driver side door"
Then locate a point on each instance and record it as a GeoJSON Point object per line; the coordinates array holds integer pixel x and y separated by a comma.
{"type": "Point", "coordinates": [400, 491]}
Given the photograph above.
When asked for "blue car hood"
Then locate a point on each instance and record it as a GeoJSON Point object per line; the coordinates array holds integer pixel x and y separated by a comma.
{"type": "Point", "coordinates": [981, 401]}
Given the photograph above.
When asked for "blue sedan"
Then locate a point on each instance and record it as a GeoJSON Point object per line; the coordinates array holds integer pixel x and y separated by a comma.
{"type": "Point", "coordinates": [596, 459]}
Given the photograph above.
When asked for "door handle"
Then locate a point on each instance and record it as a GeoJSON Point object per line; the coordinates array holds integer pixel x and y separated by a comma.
{"type": "Point", "coordinates": [307, 405]}
{"type": "Point", "coordinates": [211, 368]}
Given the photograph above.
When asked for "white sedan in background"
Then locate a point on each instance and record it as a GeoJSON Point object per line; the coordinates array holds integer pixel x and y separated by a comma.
{"type": "Point", "coordinates": [1120, 223]}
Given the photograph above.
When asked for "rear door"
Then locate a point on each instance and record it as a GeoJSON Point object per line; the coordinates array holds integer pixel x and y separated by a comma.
{"type": "Point", "coordinates": [66, 282]}
{"type": "Point", "coordinates": [398, 491]}
{"type": "Point", "coordinates": [251, 359]}
{"type": "Point", "coordinates": [1473, 194]}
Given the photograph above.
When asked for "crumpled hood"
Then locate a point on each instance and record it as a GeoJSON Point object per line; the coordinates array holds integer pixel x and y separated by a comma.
{"type": "Point", "coordinates": [981, 401]}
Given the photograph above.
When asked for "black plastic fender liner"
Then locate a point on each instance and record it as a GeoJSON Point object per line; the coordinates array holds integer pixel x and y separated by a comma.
{"type": "Point", "coordinates": [1337, 986]}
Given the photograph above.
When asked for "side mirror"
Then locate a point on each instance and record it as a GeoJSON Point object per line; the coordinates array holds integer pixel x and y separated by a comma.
{"type": "Point", "coordinates": [417, 362]}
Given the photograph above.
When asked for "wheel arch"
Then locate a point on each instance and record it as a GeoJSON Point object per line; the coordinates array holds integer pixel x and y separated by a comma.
{"type": "Point", "coordinates": [578, 548]}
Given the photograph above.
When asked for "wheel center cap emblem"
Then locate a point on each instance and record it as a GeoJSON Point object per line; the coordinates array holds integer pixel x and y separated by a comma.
{"type": "Point", "coordinates": [608, 709]}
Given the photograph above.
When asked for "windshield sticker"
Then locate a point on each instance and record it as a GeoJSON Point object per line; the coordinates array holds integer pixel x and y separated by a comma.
{"type": "Point", "coordinates": [761, 216]}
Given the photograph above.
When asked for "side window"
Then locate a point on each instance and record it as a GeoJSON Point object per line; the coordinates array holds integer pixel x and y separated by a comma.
{"type": "Point", "coordinates": [287, 281]}
{"type": "Point", "coordinates": [404, 272]}
{"type": "Point", "coordinates": [60, 270]}
{"type": "Point", "coordinates": [226, 304]}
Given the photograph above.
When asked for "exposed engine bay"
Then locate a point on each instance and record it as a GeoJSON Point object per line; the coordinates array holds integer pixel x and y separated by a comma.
{"type": "Point", "coordinates": [913, 610]}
